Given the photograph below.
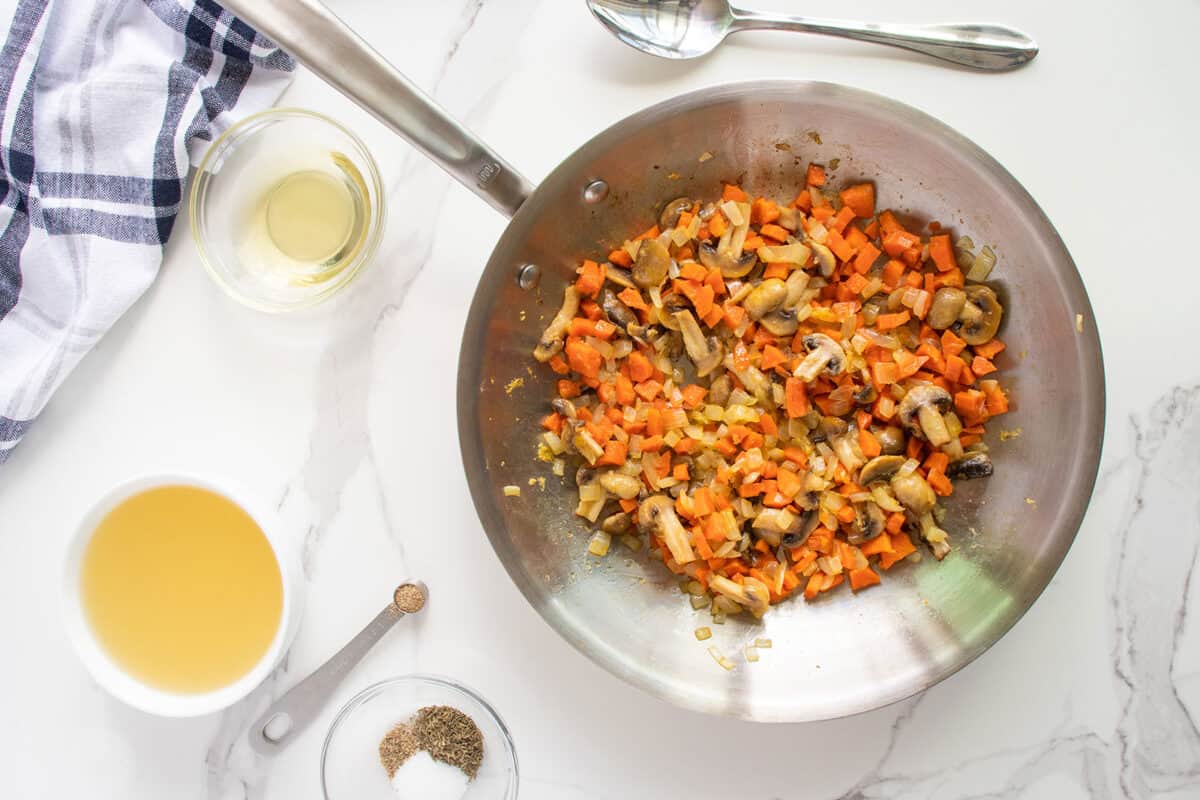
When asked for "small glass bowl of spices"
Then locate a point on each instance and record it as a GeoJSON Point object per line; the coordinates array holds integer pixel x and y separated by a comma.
{"type": "Point", "coordinates": [418, 737]}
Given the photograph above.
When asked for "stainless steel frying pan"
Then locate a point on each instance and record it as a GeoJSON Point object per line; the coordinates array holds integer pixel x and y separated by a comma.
{"type": "Point", "coordinates": [842, 654]}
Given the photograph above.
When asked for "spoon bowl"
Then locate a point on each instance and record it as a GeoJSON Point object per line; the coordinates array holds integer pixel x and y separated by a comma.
{"type": "Point", "coordinates": [683, 29]}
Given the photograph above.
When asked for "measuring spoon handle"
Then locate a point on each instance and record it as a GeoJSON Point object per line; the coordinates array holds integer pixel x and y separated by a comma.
{"type": "Point", "coordinates": [293, 712]}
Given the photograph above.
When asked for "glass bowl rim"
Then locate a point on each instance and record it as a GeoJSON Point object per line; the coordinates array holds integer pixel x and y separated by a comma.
{"type": "Point", "coordinates": [198, 193]}
{"type": "Point", "coordinates": [436, 680]}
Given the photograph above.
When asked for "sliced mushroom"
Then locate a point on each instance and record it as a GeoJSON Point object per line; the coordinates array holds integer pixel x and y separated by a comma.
{"type": "Point", "coordinates": [824, 354]}
{"type": "Point", "coordinates": [751, 594]}
{"type": "Point", "coordinates": [652, 264]}
{"type": "Point", "coordinates": [824, 258]}
{"type": "Point", "coordinates": [623, 486]}
{"type": "Point", "coordinates": [789, 218]}
{"type": "Point", "coordinates": [617, 312]}
{"type": "Point", "coordinates": [868, 523]}
{"type": "Point", "coordinates": [980, 316]}
{"type": "Point", "coordinates": [880, 468]}
{"type": "Point", "coordinates": [551, 342]}
{"type": "Point", "coordinates": [808, 523]}
{"type": "Point", "coordinates": [914, 493]}
{"type": "Point", "coordinates": [937, 539]}
{"type": "Point", "coordinates": [730, 266]}
{"type": "Point", "coordinates": [972, 465]}
{"type": "Point", "coordinates": [772, 524]}
{"type": "Point", "coordinates": [708, 354]}
{"type": "Point", "coordinates": [669, 217]}
{"type": "Point", "coordinates": [828, 428]}
{"type": "Point", "coordinates": [672, 304]}
{"type": "Point", "coordinates": [891, 440]}
{"type": "Point", "coordinates": [866, 395]}
{"type": "Point", "coordinates": [563, 406]}
{"type": "Point", "coordinates": [657, 514]}
{"type": "Point", "coordinates": [781, 322]}
{"type": "Point", "coordinates": [947, 304]}
{"type": "Point", "coordinates": [766, 297]}
{"type": "Point", "coordinates": [619, 275]}
{"type": "Point", "coordinates": [719, 389]}
{"type": "Point", "coordinates": [616, 524]}
{"type": "Point", "coordinates": [921, 412]}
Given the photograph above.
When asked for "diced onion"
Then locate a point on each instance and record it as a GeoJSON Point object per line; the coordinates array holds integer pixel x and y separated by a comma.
{"type": "Point", "coordinates": [703, 633]}
{"type": "Point", "coordinates": [599, 543]}
{"type": "Point", "coordinates": [512, 490]}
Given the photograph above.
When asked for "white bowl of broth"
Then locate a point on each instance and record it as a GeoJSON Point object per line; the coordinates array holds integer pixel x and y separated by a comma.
{"type": "Point", "coordinates": [179, 594]}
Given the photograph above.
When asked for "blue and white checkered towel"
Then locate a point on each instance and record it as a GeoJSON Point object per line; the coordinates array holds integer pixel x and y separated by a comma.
{"type": "Point", "coordinates": [103, 106]}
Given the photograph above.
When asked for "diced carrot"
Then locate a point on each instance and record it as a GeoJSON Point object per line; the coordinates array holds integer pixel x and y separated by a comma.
{"type": "Point", "coordinates": [940, 483]}
{"type": "Point", "coordinates": [970, 405]}
{"type": "Point", "coordinates": [628, 505]}
{"type": "Point", "coordinates": [868, 443]}
{"type": "Point", "coordinates": [862, 578]}
{"type": "Point", "coordinates": [764, 211]}
{"type": "Point", "coordinates": [774, 232]}
{"type": "Point", "coordinates": [640, 368]}
{"type": "Point", "coordinates": [591, 278]}
{"type": "Point", "coordinates": [717, 224]}
{"type": "Point", "coordinates": [952, 345]}
{"type": "Point", "coordinates": [650, 233]}
{"type": "Point", "coordinates": [902, 547]}
{"type": "Point", "coordinates": [693, 395]}
{"type": "Point", "coordinates": [846, 514]}
{"type": "Point", "coordinates": [776, 270]}
{"type": "Point", "coordinates": [886, 322]}
{"type": "Point", "coordinates": [614, 454]}
{"type": "Point", "coordinates": [990, 349]}
{"type": "Point", "coordinates": [559, 365]}
{"type": "Point", "coordinates": [652, 444]}
{"type": "Point", "coordinates": [734, 315]}
{"type": "Point", "coordinates": [803, 201]}
{"type": "Point", "coordinates": [633, 299]}
{"type": "Point", "coordinates": [621, 257]}
{"type": "Point", "coordinates": [880, 544]}
{"type": "Point", "coordinates": [839, 246]}
{"type": "Point", "coordinates": [823, 214]}
{"type": "Point", "coordinates": [897, 242]}
{"type": "Point", "coordinates": [996, 399]}
{"type": "Point", "coordinates": [553, 422]}
{"type": "Point", "coordinates": [888, 222]}
{"type": "Point", "coordinates": [731, 192]}
{"type": "Point", "coordinates": [981, 366]}
{"type": "Point", "coordinates": [693, 271]}
{"type": "Point", "coordinates": [568, 389]}
{"type": "Point", "coordinates": [701, 543]}
{"type": "Point", "coordinates": [772, 357]}
{"type": "Point", "coordinates": [893, 272]}
{"type": "Point", "coordinates": [599, 328]}
{"type": "Point", "coordinates": [841, 219]}
{"type": "Point", "coordinates": [866, 257]}
{"type": "Point", "coordinates": [796, 396]}
{"type": "Point", "coordinates": [766, 421]}
{"type": "Point", "coordinates": [907, 364]}
{"type": "Point", "coordinates": [856, 283]}
{"type": "Point", "coordinates": [942, 252]}
{"type": "Point", "coordinates": [648, 390]}
{"type": "Point", "coordinates": [753, 242]}
{"type": "Point", "coordinates": [884, 372]}
{"type": "Point", "coordinates": [816, 175]}
{"type": "Point", "coordinates": [715, 280]}
{"type": "Point", "coordinates": [680, 472]}
{"type": "Point", "coordinates": [584, 359]}
{"type": "Point", "coordinates": [861, 198]}
{"type": "Point", "coordinates": [813, 587]}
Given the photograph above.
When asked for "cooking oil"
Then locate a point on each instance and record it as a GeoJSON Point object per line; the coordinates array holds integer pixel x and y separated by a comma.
{"type": "Point", "coordinates": [310, 224]}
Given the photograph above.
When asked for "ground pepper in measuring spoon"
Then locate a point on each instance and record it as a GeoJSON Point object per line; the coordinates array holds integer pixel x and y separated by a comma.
{"type": "Point", "coordinates": [434, 755]}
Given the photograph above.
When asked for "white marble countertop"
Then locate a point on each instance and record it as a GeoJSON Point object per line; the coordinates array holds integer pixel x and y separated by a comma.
{"type": "Point", "coordinates": [1096, 692]}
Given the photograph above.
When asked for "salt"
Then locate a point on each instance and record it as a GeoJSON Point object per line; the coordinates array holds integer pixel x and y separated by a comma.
{"type": "Point", "coordinates": [421, 777]}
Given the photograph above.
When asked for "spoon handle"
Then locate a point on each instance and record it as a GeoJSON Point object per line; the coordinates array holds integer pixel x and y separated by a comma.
{"type": "Point", "coordinates": [980, 46]}
{"type": "Point", "coordinates": [300, 705]}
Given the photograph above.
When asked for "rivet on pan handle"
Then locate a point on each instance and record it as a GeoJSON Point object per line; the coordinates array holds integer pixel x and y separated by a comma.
{"type": "Point", "coordinates": [329, 47]}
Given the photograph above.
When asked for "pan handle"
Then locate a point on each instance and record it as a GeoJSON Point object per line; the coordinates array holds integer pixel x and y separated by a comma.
{"type": "Point", "coordinates": [331, 49]}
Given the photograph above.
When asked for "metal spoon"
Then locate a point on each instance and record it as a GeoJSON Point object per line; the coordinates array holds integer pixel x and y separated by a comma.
{"type": "Point", "coordinates": [292, 712]}
{"type": "Point", "coordinates": [681, 29]}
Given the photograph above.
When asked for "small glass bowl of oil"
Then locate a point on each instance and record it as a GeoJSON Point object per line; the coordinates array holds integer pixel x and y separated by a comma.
{"type": "Point", "coordinates": [286, 209]}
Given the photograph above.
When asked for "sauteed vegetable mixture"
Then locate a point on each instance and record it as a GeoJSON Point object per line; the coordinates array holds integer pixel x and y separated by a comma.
{"type": "Point", "coordinates": [774, 395]}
